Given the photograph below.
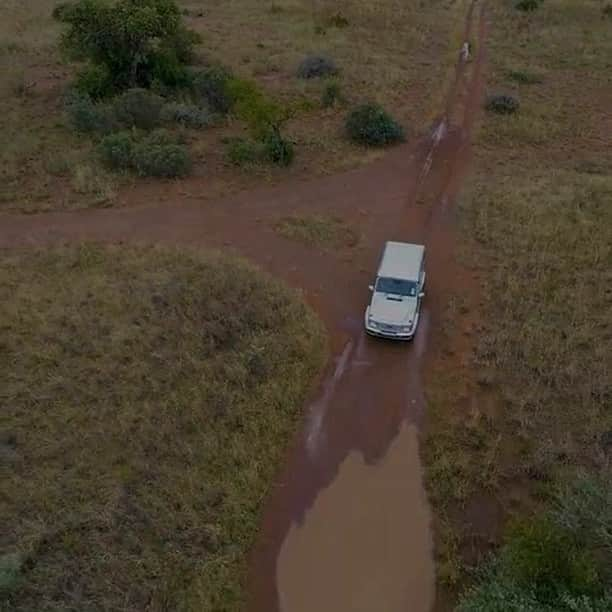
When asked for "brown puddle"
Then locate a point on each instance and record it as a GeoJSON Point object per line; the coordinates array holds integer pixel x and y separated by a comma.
{"type": "Point", "coordinates": [365, 544]}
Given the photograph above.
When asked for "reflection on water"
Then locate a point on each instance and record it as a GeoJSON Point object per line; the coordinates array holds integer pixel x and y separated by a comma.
{"type": "Point", "coordinates": [365, 543]}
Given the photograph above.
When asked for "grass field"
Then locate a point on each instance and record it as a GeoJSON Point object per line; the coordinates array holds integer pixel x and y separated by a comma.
{"type": "Point", "coordinates": [148, 396]}
{"type": "Point", "coordinates": [394, 52]}
{"type": "Point", "coordinates": [537, 226]}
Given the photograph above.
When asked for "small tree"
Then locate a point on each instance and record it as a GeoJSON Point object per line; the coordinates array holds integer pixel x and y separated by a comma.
{"type": "Point", "coordinates": [371, 125]}
{"type": "Point", "coordinates": [135, 41]}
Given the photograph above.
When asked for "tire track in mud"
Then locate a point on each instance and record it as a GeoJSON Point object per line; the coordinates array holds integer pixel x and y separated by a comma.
{"type": "Point", "coordinates": [346, 527]}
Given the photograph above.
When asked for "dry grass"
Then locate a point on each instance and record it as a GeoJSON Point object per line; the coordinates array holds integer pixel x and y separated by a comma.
{"type": "Point", "coordinates": [148, 396]}
{"type": "Point", "coordinates": [396, 53]}
{"type": "Point", "coordinates": [537, 225]}
{"type": "Point", "coordinates": [318, 230]}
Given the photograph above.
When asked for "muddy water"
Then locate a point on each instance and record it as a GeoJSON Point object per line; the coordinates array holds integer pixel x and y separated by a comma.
{"type": "Point", "coordinates": [359, 552]}
{"type": "Point", "coordinates": [347, 529]}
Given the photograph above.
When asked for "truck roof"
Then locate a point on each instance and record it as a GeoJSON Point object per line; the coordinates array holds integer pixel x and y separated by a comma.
{"type": "Point", "coordinates": [401, 260]}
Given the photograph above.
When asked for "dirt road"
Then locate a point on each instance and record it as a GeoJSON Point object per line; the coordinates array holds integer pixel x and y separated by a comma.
{"type": "Point", "coordinates": [347, 524]}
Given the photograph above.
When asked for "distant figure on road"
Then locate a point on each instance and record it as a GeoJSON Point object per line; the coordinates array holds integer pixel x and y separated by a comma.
{"type": "Point", "coordinates": [465, 51]}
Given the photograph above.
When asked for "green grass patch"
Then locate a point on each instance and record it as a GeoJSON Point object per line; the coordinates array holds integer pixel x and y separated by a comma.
{"type": "Point", "coordinates": [148, 397]}
{"type": "Point", "coordinates": [318, 230]}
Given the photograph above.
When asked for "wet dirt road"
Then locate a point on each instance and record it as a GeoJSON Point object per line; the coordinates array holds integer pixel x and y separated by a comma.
{"type": "Point", "coordinates": [346, 526]}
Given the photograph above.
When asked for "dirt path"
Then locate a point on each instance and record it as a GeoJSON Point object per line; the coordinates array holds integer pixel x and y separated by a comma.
{"type": "Point", "coordinates": [347, 524]}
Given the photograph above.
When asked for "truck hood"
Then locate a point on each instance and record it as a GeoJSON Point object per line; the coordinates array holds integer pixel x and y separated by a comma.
{"type": "Point", "coordinates": [393, 310]}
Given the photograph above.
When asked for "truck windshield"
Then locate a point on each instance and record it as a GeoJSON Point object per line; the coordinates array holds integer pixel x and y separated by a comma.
{"type": "Point", "coordinates": [396, 286]}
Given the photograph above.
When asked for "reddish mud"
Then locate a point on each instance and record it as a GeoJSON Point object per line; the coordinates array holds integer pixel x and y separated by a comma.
{"type": "Point", "coordinates": [346, 526]}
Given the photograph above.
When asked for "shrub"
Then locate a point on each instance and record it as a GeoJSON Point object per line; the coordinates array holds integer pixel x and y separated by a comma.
{"type": "Point", "coordinates": [88, 117]}
{"type": "Point", "coordinates": [95, 82]}
{"type": "Point", "coordinates": [167, 71]}
{"type": "Point", "coordinates": [10, 572]}
{"type": "Point", "coordinates": [559, 561]}
{"type": "Point", "coordinates": [338, 20]}
{"type": "Point", "coordinates": [243, 151]}
{"type": "Point", "coordinates": [187, 115]}
{"type": "Point", "coordinates": [182, 43]}
{"type": "Point", "coordinates": [117, 150]}
{"type": "Point", "coordinates": [315, 66]}
{"type": "Point", "coordinates": [251, 105]}
{"type": "Point", "coordinates": [332, 94]}
{"type": "Point", "coordinates": [139, 108]}
{"type": "Point", "coordinates": [525, 77]}
{"type": "Point", "coordinates": [156, 156]}
{"type": "Point", "coordinates": [125, 37]}
{"type": "Point", "coordinates": [502, 104]}
{"type": "Point", "coordinates": [544, 558]}
{"type": "Point", "coordinates": [370, 125]}
{"type": "Point", "coordinates": [527, 5]}
{"type": "Point", "coordinates": [161, 138]}
{"type": "Point", "coordinates": [212, 85]}
{"type": "Point", "coordinates": [584, 508]}
{"type": "Point", "coordinates": [277, 149]}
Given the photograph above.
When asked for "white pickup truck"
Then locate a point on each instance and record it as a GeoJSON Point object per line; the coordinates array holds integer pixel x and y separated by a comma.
{"type": "Point", "coordinates": [397, 292]}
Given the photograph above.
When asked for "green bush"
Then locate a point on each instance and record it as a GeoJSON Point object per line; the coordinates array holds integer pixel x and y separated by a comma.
{"type": "Point", "coordinates": [560, 561]}
{"type": "Point", "coordinates": [187, 115]}
{"type": "Point", "coordinates": [316, 66]}
{"type": "Point", "coordinates": [182, 43]}
{"type": "Point", "coordinates": [338, 20]}
{"type": "Point", "coordinates": [86, 116]}
{"type": "Point", "coordinates": [370, 125]}
{"type": "Point", "coordinates": [95, 82]}
{"type": "Point", "coordinates": [272, 148]}
{"type": "Point", "coordinates": [502, 104]}
{"type": "Point", "coordinates": [117, 150]}
{"type": "Point", "coordinates": [544, 558]}
{"type": "Point", "coordinates": [244, 151]}
{"type": "Point", "coordinates": [251, 105]}
{"type": "Point", "coordinates": [332, 94]}
{"type": "Point", "coordinates": [524, 77]}
{"type": "Point", "coordinates": [527, 5]}
{"type": "Point", "coordinates": [211, 84]}
{"type": "Point", "coordinates": [127, 38]}
{"type": "Point", "coordinates": [167, 70]}
{"type": "Point", "coordinates": [138, 108]}
{"type": "Point", "coordinates": [157, 156]}
{"type": "Point", "coordinates": [10, 572]}
{"type": "Point", "coordinates": [277, 149]}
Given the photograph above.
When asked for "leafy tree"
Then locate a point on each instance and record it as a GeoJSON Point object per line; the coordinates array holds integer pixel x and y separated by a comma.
{"type": "Point", "coordinates": [134, 41]}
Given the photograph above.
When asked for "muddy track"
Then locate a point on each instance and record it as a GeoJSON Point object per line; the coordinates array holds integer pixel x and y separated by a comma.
{"type": "Point", "coordinates": [346, 526]}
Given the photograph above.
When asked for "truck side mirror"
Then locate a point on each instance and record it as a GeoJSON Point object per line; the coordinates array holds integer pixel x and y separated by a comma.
{"type": "Point", "coordinates": [371, 287]}
{"type": "Point", "coordinates": [422, 294]}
